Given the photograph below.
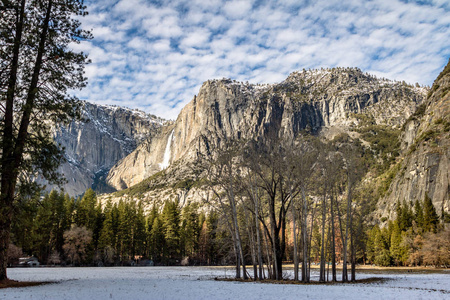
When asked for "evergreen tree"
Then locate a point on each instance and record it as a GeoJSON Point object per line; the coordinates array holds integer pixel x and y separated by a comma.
{"type": "Point", "coordinates": [212, 238]}
{"type": "Point", "coordinates": [24, 222]}
{"type": "Point", "coordinates": [125, 231]}
{"type": "Point", "coordinates": [379, 251]}
{"type": "Point", "coordinates": [106, 234]}
{"type": "Point", "coordinates": [157, 241]}
{"type": "Point", "coordinates": [418, 215]}
{"type": "Point", "coordinates": [99, 219]}
{"type": "Point", "coordinates": [42, 229]}
{"type": "Point", "coordinates": [406, 216]}
{"type": "Point", "coordinates": [397, 250]}
{"type": "Point", "coordinates": [190, 229]}
{"type": "Point", "coordinates": [59, 219]}
{"type": "Point", "coordinates": [49, 225]}
{"type": "Point", "coordinates": [371, 245]}
{"type": "Point", "coordinates": [398, 212]}
{"type": "Point", "coordinates": [70, 210]}
{"type": "Point", "coordinates": [171, 224]}
{"type": "Point", "coordinates": [38, 68]}
{"type": "Point", "coordinates": [150, 247]}
{"type": "Point", "coordinates": [86, 213]}
{"type": "Point", "coordinates": [107, 243]}
{"type": "Point", "coordinates": [139, 231]}
{"type": "Point", "coordinates": [430, 217]}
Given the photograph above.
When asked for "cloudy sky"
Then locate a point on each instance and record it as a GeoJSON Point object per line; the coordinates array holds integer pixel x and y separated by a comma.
{"type": "Point", "coordinates": [154, 55]}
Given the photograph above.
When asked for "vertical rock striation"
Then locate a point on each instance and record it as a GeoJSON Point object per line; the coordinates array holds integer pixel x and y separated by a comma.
{"type": "Point", "coordinates": [93, 147]}
{"type": "Point", "coordinates": [320, 101]}
{"type": "Point", "coordinates": [426, 164]}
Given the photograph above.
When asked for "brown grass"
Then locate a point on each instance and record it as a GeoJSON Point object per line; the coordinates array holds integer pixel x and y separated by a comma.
{"type": "Point", "coordinates": [16, 284]}
{"type": "Point", "coordinates": [271, 281]}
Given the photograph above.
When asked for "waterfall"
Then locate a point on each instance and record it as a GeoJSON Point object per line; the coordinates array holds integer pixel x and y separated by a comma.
{"type": "Point", "coordinates": [166, 160]}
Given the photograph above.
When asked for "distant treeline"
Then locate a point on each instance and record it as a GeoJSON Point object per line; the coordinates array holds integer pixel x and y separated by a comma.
{"type": "Point", "coordinates": [270, 203]}
{"type": "Point", "coordinates": [415, 237]}
{"type": "Point", "coordinates": [58, 229]}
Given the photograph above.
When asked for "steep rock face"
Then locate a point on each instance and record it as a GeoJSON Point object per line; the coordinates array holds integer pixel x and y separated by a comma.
{"type": "Point", "coordinates": [426, 164]}
{"type": "Point", "coordinates": [93, 147]}
{"type": "Point", "coordinates": [312, 100]}
{"type": "Point", "coordinates": [140, 164]}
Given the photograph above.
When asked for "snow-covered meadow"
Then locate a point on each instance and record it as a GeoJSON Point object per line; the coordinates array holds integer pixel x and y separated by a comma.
{"type": "Point", "coordinates": [199, 283]}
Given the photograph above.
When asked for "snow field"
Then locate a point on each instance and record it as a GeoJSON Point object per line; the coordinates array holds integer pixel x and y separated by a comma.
{"type": "Point", "coordinates": [198, 283]}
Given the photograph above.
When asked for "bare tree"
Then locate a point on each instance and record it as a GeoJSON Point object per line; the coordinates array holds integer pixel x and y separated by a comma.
{"type": "Point", "coordinates": [223, 178]}
{"type": "Point", "coordinates": [54, 258]}
{"type": "Point", "coordinates": [76, 241]}
{"type": "Point", "coordinates": [353, 171]}
{"type": "Point", "coordinates": [14, 253]}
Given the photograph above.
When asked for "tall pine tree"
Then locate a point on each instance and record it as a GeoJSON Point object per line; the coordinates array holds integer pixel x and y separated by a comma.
{"type": "Point", "coordinates": [430, 216]}
{"type": "Point", "coordinates": [38, 69]}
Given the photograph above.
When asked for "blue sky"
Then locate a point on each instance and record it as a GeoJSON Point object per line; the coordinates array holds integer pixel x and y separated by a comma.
{"type": "Point", "coordinates": [154, 55]}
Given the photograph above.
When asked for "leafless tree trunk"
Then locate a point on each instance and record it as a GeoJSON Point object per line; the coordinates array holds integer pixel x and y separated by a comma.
{"type": "Point", "coordinates": [333, 241]}
{"type": "Point", "coordinates": [313, 219]}
{"type": "Point", "coordinates": [328, 250]}
{"type": "Point", "coordinates": [251, 236]}
{"type": "Point", "coordinates": [269, 259]}
{"type": "Point", "coordinates": [294, 233]}
{"type": "Point", "coordinates": [304, 225]}
{"type": "Point", "coordinates": [237, 232]}
{"type": "Point", "coordinates": [322, 250]}
{"type": "Point", "coordinates": [254, 195]}
{"type": "Point", "coordinates": [258, 238]}
{"type": "Point", "coordinates": [353, 258]}
{"type": "Point", "coordinates": [348, 227]}
{"type": "Point", "coordinates": [222, 176]}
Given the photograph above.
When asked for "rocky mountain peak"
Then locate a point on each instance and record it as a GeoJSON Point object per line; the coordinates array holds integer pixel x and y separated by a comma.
{"type": "Point", "coordinates": [93, 147]}
{"type": "Point", "coordinates": [314, 100]}
{"type": "Point", "coordinates": [424, 169]}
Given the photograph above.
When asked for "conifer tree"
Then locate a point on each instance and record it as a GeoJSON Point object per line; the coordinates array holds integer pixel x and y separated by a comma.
{"type": "Point", "coordinates": [397, 250]}
{"type": "Point", "coordinates": [107, 234]}
{"type": "Point", "coordinates": [42, 230]}
{"type": "Point", "coordinates": [49, 225]}
{"type": "Point", "coordinates": [24, 222]}
{"type": "Point", "coordinates": [190, 229]}
{"type": "Point", "coordinates": [139, 232]}
{"type": "Point", "coordinates": [430, 216]}
{"type": "Point", "coordinates": [38, 69]}
{"type": "Point", "coordinates": [171, 226]}
{"type": "Point", "coordinates": [211, 238]}
{"type": "Point", "coordinates": [418, 215]}
{"type": "Point", "coordinates": [157, 240]}
{"type": "Point", "coordinates": [125, 230]}
{"type": "Point", "coordinates": [153, 214]}
{"type": "Point", "coordinates": [404, 215]}
{"type": "Point", "coordinates": [86, 213]}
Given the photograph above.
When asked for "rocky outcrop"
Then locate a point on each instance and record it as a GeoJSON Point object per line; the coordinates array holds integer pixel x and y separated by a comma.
{"type": "Point", "coordinates": [93, 147]}
{"type": "Point", "coordinates": [320, 101]}
{"type": "Point", "coordinates": [426, 164]}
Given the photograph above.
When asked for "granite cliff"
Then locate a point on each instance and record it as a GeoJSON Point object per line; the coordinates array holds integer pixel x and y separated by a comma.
{"type": "Point", "coordinates": [326, 102]}
{"type": "Point", "coordinates": [109, 134]}
{"type": "Point", "coordinates": [425, 167]}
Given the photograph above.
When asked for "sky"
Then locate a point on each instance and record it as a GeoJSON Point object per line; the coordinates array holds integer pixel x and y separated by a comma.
{"type": "Point", "coordinates": [155, 55]}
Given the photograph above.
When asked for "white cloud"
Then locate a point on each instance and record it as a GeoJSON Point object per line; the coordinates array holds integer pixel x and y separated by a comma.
{"type": "Point", "coordinates": [161, 46]}
{"type": "Point", "coordinates": [155, 57]}
{"type": "Point", "coordinates": [166, 27]}
{"type": "Point", "coordinates": [237, 9]}
{"type": "Point", "coordinates": [197, 38]}
{"type": "Point", "coordinates": [137, 43]}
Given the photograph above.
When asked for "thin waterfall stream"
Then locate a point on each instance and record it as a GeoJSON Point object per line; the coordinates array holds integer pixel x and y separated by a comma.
{"type": "Point", "coordinates": [166, 159]}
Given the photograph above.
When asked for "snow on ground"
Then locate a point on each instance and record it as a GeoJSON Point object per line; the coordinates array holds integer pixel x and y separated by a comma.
{"type": "Point", "coordinates": [198, 283]}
